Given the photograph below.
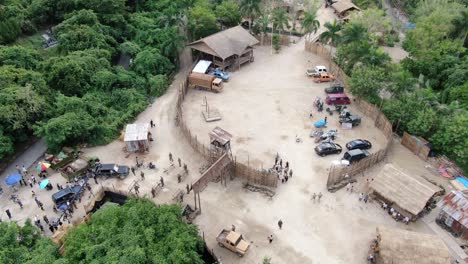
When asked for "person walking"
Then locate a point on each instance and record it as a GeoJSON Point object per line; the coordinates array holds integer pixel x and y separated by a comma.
{"type": "Point", "coordinates": [30, 183]}
{"type": "Point", "coordinates": [290, 173]}
{"type": "Point", "coordinates": [348, 186]}
{"type": "Point", "coordinates": [161, 180]}
{"type": "Point", "coordinates": [33, 193]}
{"type": "Point", "coordinates": [152, 123]}
{"type": "Point", "coordinates": [270, 238]}
{"type": "Point", "coordinates": [51, 228]}
{"type": "Point", "coordinates": [188, 188]}
{"type": "Point", "coordinates": [170, 158]}
{"type": "Point", "coordinates": [133, 170]}
{"type": "Point", "coordinates": [19, 203]}
{"type": "Point", "coordinates": [361, 196]}
{"type": "Point", "coordinates": [313, 197]}
{"type": "Point", "coordinates": [7, 211]}
{"type": "Point", "coordinates": [280, 224]}
{"type": "Point", "coordinates": [94, 177]}
{"type": "Point", "coordinates": [281, 163]}
{"type": "Point", "coordinates": [18, 169]}
{"type": "Point", "coordinates": [180, 162]}
{"type": "Point", "coordinates": [25, 171]}
{"type": "Point", "coordinates": [366, 198]}
{"type": "Point", "coordinates": [287, 164]}
{"type": "Point", "coordinates": [319, 196]}
{"type": "Point", "coordinates": [142, 174]}
{"type": "Point", "coordinates": [153, 192]}
{"type": "Point", "coordinates": [46, 220]}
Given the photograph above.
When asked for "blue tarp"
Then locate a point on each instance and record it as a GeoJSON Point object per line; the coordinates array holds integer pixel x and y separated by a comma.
{"type": "Point", "coordinates": [463, 181]}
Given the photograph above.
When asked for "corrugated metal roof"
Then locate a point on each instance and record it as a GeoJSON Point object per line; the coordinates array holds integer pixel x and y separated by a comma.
{"type": "Point", "coordinates": [455, 204]}
{"type": "Point", "coordinates": [220, 135]}
{"type": "Point", "coordinates": [344, 5]}
{"type": "Point", "coordinates": [136, 132]}
{"type": "Point", "coordinates": [202, 66]}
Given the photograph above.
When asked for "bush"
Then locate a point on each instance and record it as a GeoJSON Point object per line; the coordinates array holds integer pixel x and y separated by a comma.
{"type": "Point", "coordinates": [276, 43]}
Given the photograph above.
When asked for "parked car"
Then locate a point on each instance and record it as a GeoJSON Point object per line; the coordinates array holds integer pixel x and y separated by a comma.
{"type": "Point", "coordinates": [233, 241]}
{"type": "Point", "coordinates": [220, 74]}
{"type": "Point", "coordinates": [112, 170]}
{"type": "Point", "coordinates": [316, 71]}
{"type": "Point", "coordinates": [353, 119]}
{"type": "Point", "coordinates": [358, 144]}
{"type": "Point", "coordinates": [328, 148]}
{"type": "Point", "coordinates": [337, 99]}
{"type": "Point", "coordinates": [65, 195]}
{"type": "Point", "coordinates": [335, 89]}
{"type": "Point", "coordinates": [355, 155]}
{"type": "Point", "coordinates": [324, 77]}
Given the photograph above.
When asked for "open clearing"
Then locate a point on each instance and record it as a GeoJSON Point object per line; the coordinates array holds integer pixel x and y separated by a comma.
{"type": "Point", "coordinates": [265, 105]}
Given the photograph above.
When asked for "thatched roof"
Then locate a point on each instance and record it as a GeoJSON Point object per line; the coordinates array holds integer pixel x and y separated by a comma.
{"type": "Point", "coordinates": [410, 193]}
{"type": "Point", "coordinates": [224, 44]}
{"type": "Point", "coordinates": [406, 247]}
{"type": "Point", "coordinates": [343, 6]}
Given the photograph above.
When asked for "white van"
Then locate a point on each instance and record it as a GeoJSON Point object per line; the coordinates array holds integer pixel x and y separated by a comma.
{"type": "Point", "coordinates": [316, 71]}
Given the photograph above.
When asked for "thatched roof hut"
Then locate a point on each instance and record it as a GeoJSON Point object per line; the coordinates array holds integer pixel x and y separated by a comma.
{"type": "Point", "coordinates": [409, 193]}
{"type": "Point", "coordinates": [406, 247]}
{"type": "Point", "coordinates": [233, 45]}
{"type": "Point", "coordinates": [344, 6]}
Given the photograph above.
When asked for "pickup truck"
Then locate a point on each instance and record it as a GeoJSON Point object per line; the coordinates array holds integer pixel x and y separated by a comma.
{"type": "Point", "coordinates": [324, 77]}
{"type": "Point", "coordinates": [112, 170]}
{"type": "Point", "coordinates": [233, 241]}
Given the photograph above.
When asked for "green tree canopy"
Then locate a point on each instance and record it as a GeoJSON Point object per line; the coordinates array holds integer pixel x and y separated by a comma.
{"type": "Point", "coordinates": [20, 57]}
{"type": "Point", "coordinates": [250, 9]}
{"type": "Point", "coordinates": [137, 232]}
{"type": "Point", "coordinates": [331, 35]}
{"type": "Point", "coordinates": [228, 13]}
{"type": "Point", "coordinates": [151, 62]}
{"type": "Point", "coordinates": [202, 20]}
{"type": "Point", "coordinates": [310, 24]}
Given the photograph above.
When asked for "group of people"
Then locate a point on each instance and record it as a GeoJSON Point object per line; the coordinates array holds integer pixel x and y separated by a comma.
{"type": "Point", "coordinates": [284, 173]}
{"type": "Point", "coordinates": [395, 214]}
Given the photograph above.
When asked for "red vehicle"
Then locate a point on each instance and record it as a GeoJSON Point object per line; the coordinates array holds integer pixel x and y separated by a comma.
{"type": "Point", "coordinates": [337, 99]}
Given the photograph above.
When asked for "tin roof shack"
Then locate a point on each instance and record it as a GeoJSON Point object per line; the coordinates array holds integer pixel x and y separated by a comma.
{"type": "Point", "coordinates": [453, 214]}
{"type": "Point", "coordinates": [409, 195]}
{"type": "Point", "coordinates": [344, 7]}
{"type": "Point", "coordinates": [137, 137]}
{"type": "Point", "coordinates": [230, 47]}
{"type": "Point", "coordinates": [405, 247]}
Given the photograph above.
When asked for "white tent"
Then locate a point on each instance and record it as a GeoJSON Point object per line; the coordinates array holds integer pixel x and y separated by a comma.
{"type": "Point", "coordinates": [137, 137]}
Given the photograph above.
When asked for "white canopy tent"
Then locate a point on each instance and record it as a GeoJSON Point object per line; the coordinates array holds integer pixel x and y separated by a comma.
{"type": "Point", "coordinates": [137, 137]}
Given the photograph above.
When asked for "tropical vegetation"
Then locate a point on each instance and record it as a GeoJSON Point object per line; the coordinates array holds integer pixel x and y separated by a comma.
{"type": "Point", "coordinates": [137, 232]}
{"type": "Point", "coordinates": [426, 93]}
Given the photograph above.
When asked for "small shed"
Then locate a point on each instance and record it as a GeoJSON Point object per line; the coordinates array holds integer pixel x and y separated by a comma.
{"type": "Point", "coordinates": [344, 7]}
{"type": "Point", "coordinates": [406, 247]}
{"type": "Point", "coordinates": [137, 137]}
{"type": "Point", "coordinates": [220, 137]}
{"type": "Point", "coordinates": [230, 47]}
{"type": "Point", "coordinates": [454, 213]}
{"type": "Point", "coordinates": [407, 194]}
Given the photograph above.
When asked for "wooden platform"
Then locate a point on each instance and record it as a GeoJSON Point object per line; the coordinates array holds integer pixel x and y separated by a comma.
{"type": "Point", "coordinates": [212, 115]}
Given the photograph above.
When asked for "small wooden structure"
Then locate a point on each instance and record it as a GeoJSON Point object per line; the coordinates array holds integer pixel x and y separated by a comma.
{"type": "Point", "coordinates": [230, 47]}
{"type": "Point", "coordinates": [406, 194]}
{"type": "Point", "coordinates": [137, 137]}
{"type": "Point", "coordinates": [454, 213]}
{"type": "Point", "coordinates": [394, 245]}
{"type": "Point", "coordinates": [344, 7]}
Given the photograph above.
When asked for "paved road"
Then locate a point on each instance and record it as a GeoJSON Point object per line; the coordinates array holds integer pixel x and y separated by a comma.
{"type": "Point", "coordinates": [27, 158]}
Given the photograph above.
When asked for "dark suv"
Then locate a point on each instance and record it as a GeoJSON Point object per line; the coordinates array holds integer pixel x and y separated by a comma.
{"type": "Point", "coordinates": [65, 195]}
{"type": "Point", "coordinates": [355, 155]}
{"type": "Point", "coordinates": [334, 89]}
{"type": "Point", "coordinates": [353, 119]}
{"type": "Point", "coordinates": [112, 170]}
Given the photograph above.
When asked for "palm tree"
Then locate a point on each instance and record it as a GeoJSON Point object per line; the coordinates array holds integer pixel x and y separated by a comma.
{"type": "Point", "coordinates": [331, 35]}
{"type": "Point", "coordinates": [310, 23]}
{"type": "Point", "coordinates": [280, 20]}
{"type": "Point", "coordinates": [353, 32]}
{"type": "Point", "coordinates": [250, 9]}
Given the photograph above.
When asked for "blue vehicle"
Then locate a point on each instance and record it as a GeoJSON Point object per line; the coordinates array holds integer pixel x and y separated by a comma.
{"type": "Point", "coordinates": [220, 74]}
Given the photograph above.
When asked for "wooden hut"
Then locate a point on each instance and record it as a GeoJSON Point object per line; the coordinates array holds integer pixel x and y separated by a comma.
{"type": "Point", "coordinates": [344, 7]}
{"type": "Point", "coordinates": [406, 247]}
{"type": "Point", "coordinates": [137, 137]}
{"type": "Point", "coordinates": [230, 47]}
{"type": "Point", "coordinates": [406, 194]}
